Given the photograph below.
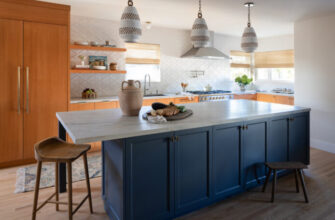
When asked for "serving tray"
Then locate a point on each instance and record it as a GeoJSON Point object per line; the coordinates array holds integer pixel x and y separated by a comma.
{"type": "Point", "coordinates": [179, 116]}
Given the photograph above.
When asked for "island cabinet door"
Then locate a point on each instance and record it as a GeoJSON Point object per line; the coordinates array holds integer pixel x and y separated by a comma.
{"type": "Point", "coordinates": [149, 182]}
{"type": "Point", "coordinates": [254, 144]}
{"type": "Point", "coordinates": [227, 160]}
{"type": "Point", "coordinates": [277, 150]}
{"type": "Point", "coordinates": [193, 155]}
{"type": "Point", "coordinates": [299, 138]}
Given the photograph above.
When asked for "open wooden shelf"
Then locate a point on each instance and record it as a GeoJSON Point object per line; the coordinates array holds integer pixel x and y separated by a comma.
{"type": "Point", "coordinates": [82, 47]}
{"type": "Point", "coordinates": [98, 71]}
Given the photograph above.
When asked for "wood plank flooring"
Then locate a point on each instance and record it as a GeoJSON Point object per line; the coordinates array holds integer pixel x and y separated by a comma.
{"type": "Point", "coordinates": [320, 180]}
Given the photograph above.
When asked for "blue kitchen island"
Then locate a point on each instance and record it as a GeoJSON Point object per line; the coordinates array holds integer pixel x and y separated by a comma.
{"type": "Point", "coordinates": [161, 171]}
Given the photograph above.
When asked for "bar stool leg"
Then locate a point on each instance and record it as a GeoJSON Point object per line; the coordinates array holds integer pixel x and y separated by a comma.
{"type": "Point", "coordinates": [69, 171]}
{"type": "Point", "coordinates": [274, 182]}
{"type": "Point", "coordinates": [296, 180]}
{"type": "Point", "coordinates": [88, 182]}
{"type": "Point", "coordinates": [56, 186]}
{"type": "Point", "coordinates": [303, 185]}
{"type": "Point", "coordinates": [37, 188]}
{"type": "Point", "coordinates": [267, 179]}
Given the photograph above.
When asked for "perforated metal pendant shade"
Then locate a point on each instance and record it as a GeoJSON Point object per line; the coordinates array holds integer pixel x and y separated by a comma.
{"type": "Point", "coordinates": [130, 25]}
{"type": "Point", "coordinates": [200, 34]}
{"type": "Point", "coordinates": [249, 41]}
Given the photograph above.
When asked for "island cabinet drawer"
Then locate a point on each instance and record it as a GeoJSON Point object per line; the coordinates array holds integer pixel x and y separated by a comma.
{"type": "Point", "coordinates": [184, 100]}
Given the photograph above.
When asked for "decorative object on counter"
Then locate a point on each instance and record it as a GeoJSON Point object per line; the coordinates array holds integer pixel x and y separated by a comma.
{"type": "Point", "coordinates": [208, 88]}
{"type": "Point", "coordinates": [243, 81]}
{"type": "Point", "coordinates": [83, 43]}
{"type": "Point", "coordinates": [112, 66]}
{"type": "Point", "coordinates": [170, 112]}
{"type": "Point", "coordinates": [130, 25]}
{"type": "Point", "coordinates": [200, 33]}
{"type": "Point", "coordinates": [98, 62]}
{"type": "Point", "coordinates": [184, 86]}
{"type": "Point", "coordinates": [148, 25]}
{"type": "Point", "coordinates": [108, 44]}
{"type": "Point", "coordinates": [89, 94]}
{"type": "Point", "coordinates": [131, 98]}
{"type": "Point", "coordinates": [249, 38]}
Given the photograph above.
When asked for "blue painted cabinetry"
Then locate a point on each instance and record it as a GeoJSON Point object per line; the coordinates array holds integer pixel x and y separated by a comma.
{"type": "Point", "coordinates": [254, 152]}
{"type": "Point", "coordinates": [193, 156]}
{"type": "Point", "coordinates": [227, 161]}
{"type": "Point", "coordinates": [163, 176]}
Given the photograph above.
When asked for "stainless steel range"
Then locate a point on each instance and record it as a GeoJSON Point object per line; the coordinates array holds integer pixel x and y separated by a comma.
{"type": "Point", "coordinates": [213, 96]}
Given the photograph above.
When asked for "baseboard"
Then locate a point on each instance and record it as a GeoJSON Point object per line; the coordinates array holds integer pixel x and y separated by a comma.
{"type": "Point", "coordinates": [322, 145]}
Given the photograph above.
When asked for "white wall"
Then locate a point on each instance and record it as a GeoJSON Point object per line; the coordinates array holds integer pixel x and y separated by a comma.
{"type": "Point", "coordinates": [315, 76]}
{"type": "Point", "coordinates": [174, 70]}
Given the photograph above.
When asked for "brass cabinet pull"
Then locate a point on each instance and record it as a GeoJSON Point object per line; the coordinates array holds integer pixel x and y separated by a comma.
{"type": "Point", "coordinates": [27, 90]}
{"type": "Point", "coordinates": [19, 89]}
{"type": "Point", "coordinates": [177, 138]}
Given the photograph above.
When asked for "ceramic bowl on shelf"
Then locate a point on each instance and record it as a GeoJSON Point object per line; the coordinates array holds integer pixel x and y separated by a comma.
{"type": "Point", "coordinates": [99, 67]}
{"type": "Point", "coordinates": [83, 43]}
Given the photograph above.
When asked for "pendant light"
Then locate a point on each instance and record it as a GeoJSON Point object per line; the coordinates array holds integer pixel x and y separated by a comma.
{"type": "Point", "coordinates": [249, 38]}
{"type": "Point", "coordinates": [200, 33]}
{"type": "Point", "coordinates": [130, 25]}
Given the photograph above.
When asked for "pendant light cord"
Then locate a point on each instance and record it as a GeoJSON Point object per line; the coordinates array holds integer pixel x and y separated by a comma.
{"type": "Point", "coordinates": [249, 23]}
{"type": "Point", "coordinates": [130, 3]}
{"type": "Point", "coordinates": [199, 13]}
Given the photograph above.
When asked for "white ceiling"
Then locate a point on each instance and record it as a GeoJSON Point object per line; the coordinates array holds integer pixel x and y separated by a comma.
{"type": "Point", "coordinates": [269, 17]}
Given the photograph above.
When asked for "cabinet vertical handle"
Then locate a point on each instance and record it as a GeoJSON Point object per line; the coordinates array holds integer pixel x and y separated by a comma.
{"type": "Point", "coordinates": [19, 89]}
{"type": "Point", "coordinates": [27, 89]}
{"type": "Point", "coordinates": [177, 138]}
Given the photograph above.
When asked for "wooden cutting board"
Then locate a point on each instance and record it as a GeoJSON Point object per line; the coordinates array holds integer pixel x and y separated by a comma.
{"type": "Point", "coordinates": [179, 116]}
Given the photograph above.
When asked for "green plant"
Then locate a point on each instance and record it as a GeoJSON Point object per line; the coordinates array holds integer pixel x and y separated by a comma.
{"type": "Point", "coordinates": [243, 80]}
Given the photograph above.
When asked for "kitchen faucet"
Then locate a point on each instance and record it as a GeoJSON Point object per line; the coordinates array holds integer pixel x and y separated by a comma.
{"type": "Point", "coordinates": [145, 83]}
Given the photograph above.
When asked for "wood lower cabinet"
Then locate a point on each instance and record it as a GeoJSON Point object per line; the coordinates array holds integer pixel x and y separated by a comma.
{"type": "Point", "coordinates": [185, 100]}
{"type": "Point", "coordinates": [246, 96]}
{"type": "Point", "coordinates": [279, 99]}
{"type": "Point", "coordinates": [11, 101]}
{"type": "Point", "coordinates": [106, 105]}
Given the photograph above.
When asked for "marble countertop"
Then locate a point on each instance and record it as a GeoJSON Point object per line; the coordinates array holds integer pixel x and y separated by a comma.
{"type": "Point", "coordinates": [110, 124]}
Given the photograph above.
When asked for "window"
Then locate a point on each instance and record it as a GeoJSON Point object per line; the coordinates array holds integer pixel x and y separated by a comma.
{"type": "Point", "coordinates": [138, 71]}
{"type": "Point", "coordinates": [235, 72]}
{"type": "Point", "coordinates": [283, 74]}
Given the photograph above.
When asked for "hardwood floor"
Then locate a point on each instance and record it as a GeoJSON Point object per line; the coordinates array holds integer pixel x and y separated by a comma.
{"type": "Point", "coordinates": [320, 180]}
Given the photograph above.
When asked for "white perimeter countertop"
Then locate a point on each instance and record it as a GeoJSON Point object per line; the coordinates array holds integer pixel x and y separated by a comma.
{"type": "Point", "coordinates": [110, 124]}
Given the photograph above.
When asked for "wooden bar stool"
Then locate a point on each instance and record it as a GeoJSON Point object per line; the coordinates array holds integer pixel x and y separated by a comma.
{"type": "Point", "coordinates": [58, 151]}
{"type": "Point", "coordinates": [296, 166]}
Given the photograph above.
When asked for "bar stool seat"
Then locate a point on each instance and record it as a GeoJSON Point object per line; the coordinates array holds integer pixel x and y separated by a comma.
{"type": "Point", "coordinates": [55, 149]}
{"type": "Point", "coordinates": [58, 151]}
{"type": "Point", "coordinates": [296, 166]}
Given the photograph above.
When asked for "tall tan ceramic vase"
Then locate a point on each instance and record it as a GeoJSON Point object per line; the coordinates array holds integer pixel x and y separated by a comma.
{"type": "Point", "coordinates": [130, 98]}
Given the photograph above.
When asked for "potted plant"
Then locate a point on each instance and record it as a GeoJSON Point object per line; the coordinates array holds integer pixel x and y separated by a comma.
{"type": "Point", "coordinates": [243, 81]}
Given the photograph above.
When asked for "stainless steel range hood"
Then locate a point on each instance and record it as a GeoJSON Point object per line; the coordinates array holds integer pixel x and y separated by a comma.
{"type": "Point", "coordinates": [206, 52]}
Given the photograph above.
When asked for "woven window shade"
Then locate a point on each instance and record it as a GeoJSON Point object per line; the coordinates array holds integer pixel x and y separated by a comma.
{"type": "Point", "coordinates": [275, 59]}
{"type": "Point", "coordinates": [240, 59]}
{"type": "Point", "coordinates": [138, 53]}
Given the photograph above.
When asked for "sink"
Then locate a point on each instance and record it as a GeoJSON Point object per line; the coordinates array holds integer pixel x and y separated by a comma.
{"type": "Point", "coordinates": [150, 95]}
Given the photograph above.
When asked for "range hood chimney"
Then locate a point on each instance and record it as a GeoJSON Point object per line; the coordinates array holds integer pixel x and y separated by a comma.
{"type": "Point", "coordinates": [206, 52]}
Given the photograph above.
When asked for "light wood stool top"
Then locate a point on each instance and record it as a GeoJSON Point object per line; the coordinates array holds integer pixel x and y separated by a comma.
{"type": "Point", "coordinates": [55, 149]}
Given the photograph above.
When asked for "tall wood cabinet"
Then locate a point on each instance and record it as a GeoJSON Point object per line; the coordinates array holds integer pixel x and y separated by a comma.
{"type": "Point", "coordinates": [34, 75]}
